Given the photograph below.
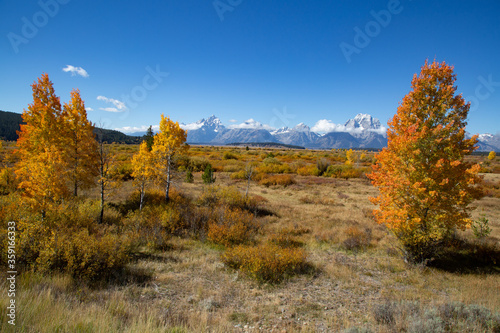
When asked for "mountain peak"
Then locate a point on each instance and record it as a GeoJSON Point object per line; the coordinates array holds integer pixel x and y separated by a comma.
{"type": "Point", "coordinates": [302, 128]}
{"type": "Point", "coordinates": [363, 121]}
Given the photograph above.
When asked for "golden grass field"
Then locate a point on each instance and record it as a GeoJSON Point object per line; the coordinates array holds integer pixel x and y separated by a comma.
{"type": "Point", "coordinates": [356, 281]}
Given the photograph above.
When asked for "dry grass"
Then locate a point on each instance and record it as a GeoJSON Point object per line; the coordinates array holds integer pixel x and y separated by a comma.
{"type": "Point", "coordinates": [187, 288]}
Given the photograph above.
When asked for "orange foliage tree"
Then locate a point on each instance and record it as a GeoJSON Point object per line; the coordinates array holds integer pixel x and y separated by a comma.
{"type": "Point", "coordinates": [42, 167]}
{"type": "Point", "coordinates": [167, 142]}
{"type": "Point", "coordinates": [425, 185]}
{"type": "Point", "coordinates": [81, 144]}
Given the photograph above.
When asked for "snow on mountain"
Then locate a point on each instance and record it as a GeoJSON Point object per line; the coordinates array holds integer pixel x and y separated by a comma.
{"type": "Point", "coordinates": [251, 124]}
{"type": "Point", "coordinates": [364, 122]}
{"type": "Point", "coordinates": [243, 135]}
{"type": "Point", "coordinates": [302, 128]}
{"type": "Point", "coordinates": [363, 131]}
{"type": "Point", "coordinates": [204, 130]}
{"type": "Point", "coordinates": [281, 130]}
{"type": "Point", "coordinates": [300, 135]}
{"type": "Point", "coordinates": [213, 123]}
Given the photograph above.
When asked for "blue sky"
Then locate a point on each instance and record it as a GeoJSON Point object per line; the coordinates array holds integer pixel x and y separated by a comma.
{"type": "Point", "coordinates": [280, 62]}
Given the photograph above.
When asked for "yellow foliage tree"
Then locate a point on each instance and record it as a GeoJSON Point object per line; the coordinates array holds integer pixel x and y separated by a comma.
{"type": "Point", "coordinates": [167, 142]}
{"type": "Point", "coordinates": [81, 144]}
{"type": "Point", "coordinates": [350, 157]}
{"type": "Point", "coordinates": [425, 185]}
{"type": "Point", "coordinates": [142, 169]}
{"type": "Point", "coordinates": [42, 169]}
{"type": "Point", "coordinates": [492, 155]}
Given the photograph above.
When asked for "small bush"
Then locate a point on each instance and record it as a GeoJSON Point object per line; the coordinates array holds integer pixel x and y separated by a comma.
{"type": "Point", "coordinates": [189, 176]}
{"type": "Point", "coordinates": [266, 263]}
{"type": "Point", "coordinates": [85, 256]}
{"type": "Point", "coordinates": [309, 170]}
{"type": "Point", "coordinates": [123, 172]}
{"type": "Point", "coordinates": [384, 313]}
{"type": "Point", "coordinates": [229, 156]}
{"type": "Point", "coordinates": [241, 174]}
{"type": "Point", "coordinates": [284, 180]}
{"type": "Point", "coordinates": [229, 227]}
{"type": "Point", "coordinates": [8, 181]}
{"type": "Point", "coordinates": [322, 165]}
{"type": "Point", "coordinates": [208, 175]}
{"type": "Point", "coordinates": [481, 228]}
{"type": "Point", "coordinates": [357, 239]}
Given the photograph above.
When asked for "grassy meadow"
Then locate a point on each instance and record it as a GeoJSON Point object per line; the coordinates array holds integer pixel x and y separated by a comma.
{"type": "Point", "coordinates": [324, 264]}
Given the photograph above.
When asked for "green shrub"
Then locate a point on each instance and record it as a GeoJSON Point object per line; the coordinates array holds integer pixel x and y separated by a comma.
{"type": "Point", "coordinates": [229, 156]}
{"type": "Point", "coordinates": [208, 175]}
{"type": "Point", "coordinates": [189, 176]}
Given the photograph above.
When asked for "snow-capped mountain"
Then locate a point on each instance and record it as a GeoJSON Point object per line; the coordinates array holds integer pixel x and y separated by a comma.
{"type": "Point", "coordinates": [363, 131]}
{"type": "Point", "coordinates": [204, 130]}
{"type": "Point", "coordinates": [363, 122]}
{"type": "Point", "coordinates": [300, 135]}
{"type": "Point", "coordinates": [240, 135]}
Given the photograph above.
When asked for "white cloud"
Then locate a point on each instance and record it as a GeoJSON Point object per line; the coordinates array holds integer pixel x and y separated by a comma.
{"type": "Point", "coordinates": [110, 109]}
{"type": "Point", "coordinates": [135, 129]}
{"type": "Point", "coordinates": [119, 105]}
{"type": "Point", "coordinates": [233, 120]}
{"type": "Point", "coordinates": [89, 109]}
{"type": "Point", "coordinates": [191, 126]}
{"type": "Point", "coordinates": [327, 126]}
{"type": "Point", "coordinates": [252, 124]}
{"type": "Point", "coordinates": [76, 71]}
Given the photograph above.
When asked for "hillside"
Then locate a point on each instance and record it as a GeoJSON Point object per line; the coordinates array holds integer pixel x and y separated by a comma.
{"type": "Point", "coordinates": [10, 123]}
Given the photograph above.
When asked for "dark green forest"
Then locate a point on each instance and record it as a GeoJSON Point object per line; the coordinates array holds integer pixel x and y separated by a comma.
{"type": "Point", "coordinates": [10, 123]}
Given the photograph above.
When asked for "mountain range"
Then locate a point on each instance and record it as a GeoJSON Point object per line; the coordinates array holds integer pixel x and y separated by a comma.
{"type": "Point", "coordinates": [362, 131]}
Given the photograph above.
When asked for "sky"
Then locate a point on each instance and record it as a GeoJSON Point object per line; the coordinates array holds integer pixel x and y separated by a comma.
{"type": "Point", "coordinates": [280, 62]}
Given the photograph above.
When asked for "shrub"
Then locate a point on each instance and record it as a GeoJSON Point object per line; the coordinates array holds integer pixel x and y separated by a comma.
{"type": "Point", "coordinates": [481, 227]}
{"type": "Point", "coordinates": [230, 226]}
{"type": "Point", "coordinates": [357, 239]}
{"type": "Point", "coordinates": [85, 256]}
{"type": "Point", "coordinates": [274, 167]}
{"type": "Point", "coordinates": [222, 196]}
{"type": "Point", "coordinates": [123, 172]}
{"type": "Point", "coordinates": [309, 170]}
{"type": "Point", "coordinates": [284, 180]}
{"type": "Point", "coordinates": [189, 176]}
{"type": "Point", "coordinates": [8, 182]}
{"type": "Point", "coordinates": [384, 313]}
{"type": "Point", "coordinates": [208, 175]}
{"type": "Point", "coordinates": [322, 165]}
{"type": "Point", "coordinates": [241, 174]}
{"type": "Point", "coordinates": [266, 263]}
{"type": "Point", "coordinates": [229, 156]}
{"type": "Point", "coordinates": [198, 164]}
